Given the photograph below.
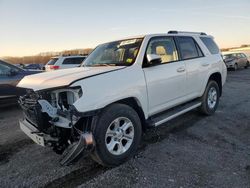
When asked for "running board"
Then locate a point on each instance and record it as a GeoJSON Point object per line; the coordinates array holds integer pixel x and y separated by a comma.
{"type": "Point", "coordinates": [173, 113]}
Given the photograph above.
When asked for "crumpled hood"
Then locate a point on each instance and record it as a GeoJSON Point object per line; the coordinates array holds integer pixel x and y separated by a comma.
{"type": "Point", "coordinates": [62, 77]}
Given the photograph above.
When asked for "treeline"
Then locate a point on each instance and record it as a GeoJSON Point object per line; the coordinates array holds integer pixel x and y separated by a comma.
{"type": "Point", "coordinates": [228, 49]}
{"type": "Point", "coordinates": [44, 57]}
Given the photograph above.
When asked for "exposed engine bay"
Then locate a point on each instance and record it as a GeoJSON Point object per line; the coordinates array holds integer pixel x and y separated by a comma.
{"type": "Point", "coordinates": [57, 121]}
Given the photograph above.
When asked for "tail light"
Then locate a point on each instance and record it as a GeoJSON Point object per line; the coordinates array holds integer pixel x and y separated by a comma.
{"type": "Point", "coordinates": [54, 67]}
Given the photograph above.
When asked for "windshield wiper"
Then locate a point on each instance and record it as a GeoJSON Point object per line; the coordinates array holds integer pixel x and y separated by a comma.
{"type": "Point", "coordinates": [102, 65]}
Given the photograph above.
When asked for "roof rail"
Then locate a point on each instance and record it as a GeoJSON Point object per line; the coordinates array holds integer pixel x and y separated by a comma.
{"type": "Point", "coordinates": [188, 32]}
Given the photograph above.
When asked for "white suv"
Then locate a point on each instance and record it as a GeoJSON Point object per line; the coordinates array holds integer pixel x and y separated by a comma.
{"type": "Point", "coordinates": [64, 62]}
{"type": "Point", "coordinates": [123, 88]}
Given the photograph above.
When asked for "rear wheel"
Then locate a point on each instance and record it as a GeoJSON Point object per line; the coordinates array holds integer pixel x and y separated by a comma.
{"type": "Point", "coordinates": [117, 134]}
{"type": "Point", "coordinates": [210, 98]}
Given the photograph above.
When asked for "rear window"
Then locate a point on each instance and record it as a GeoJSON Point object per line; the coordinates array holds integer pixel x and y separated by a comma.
{"type": "Point", "coordinates": [188, 48]}
{"type": "Point", "coordinates": [52, 61]}
{"type": "Point", "coordinates": [210, 44]}
{"type": "Point", "coordinates": [74, 61]}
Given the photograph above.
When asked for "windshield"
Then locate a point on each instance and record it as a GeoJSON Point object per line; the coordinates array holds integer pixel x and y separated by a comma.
{"type": "Point", "coordinates": [118, 53]}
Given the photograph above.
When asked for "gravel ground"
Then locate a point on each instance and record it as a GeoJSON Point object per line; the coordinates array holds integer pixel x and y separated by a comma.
{"type": "Point", "coordinates": [190, 151]}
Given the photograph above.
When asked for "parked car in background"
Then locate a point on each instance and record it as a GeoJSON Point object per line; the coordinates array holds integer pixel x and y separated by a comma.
{"type": "Point", "coordinates": [64, 62]}
{"type": "Point", "coordinates": [235, 60]}
{"type": "Point", "coordinates": [34, 67]}
{"type": "Point", "coordinates": [20, 65]}
{"type": "Point", "coordinates": [10, 75]}
{"type": "Point", "coordinates": [121, 89]}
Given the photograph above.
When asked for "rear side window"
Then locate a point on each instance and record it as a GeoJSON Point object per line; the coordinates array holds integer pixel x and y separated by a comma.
{"type": "Point", "coordinates": [189, 49]}
{"type": "Point", "coordinates": [210, 44]}
{"type": "Point", "coordinates": [52, 61]}
{"type": "Point", "coordinates": [73, 61]}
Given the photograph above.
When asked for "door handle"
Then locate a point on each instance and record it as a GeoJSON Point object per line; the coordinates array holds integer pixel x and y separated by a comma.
{"type": "Point", "coordinates": [181, 69]}
{"type": "Point", "coordinates": [205, 64]}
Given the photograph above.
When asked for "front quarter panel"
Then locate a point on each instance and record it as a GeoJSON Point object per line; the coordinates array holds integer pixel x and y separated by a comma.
{"type": "Point", "coordinates": [104, 89]}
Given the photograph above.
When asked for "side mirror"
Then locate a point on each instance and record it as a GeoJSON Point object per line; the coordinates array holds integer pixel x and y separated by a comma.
{"type": "Point", "coordinates": [153, 59]}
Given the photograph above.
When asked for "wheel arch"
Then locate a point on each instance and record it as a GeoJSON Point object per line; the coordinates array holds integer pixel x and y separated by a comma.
{"type": "Point", "coordinates": [218, 79]}
{"type": "Point", "coordinates": [135, 104]}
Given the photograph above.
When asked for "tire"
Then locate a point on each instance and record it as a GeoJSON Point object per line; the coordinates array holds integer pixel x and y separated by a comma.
{"type": "Point", "coordinates": [247, 65]}
{"type": "Point", "coordinates": [117, 134]}
{"type": "Point", "coordinates": [235, 67]}
{"type": "Point", "coordinates": [210, 98]}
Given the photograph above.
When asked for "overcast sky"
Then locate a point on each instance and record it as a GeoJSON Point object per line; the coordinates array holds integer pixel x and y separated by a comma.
{"type": "Point", "coordinates": [28, 27]}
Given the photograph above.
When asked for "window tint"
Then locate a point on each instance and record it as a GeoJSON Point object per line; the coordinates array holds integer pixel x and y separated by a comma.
{"type": "Point", "coordinates": [4, 69]}
{"type": "Point", "coordinates": [52, 61]}
{"type": "Point", "coordinates": [238, 55]}
{"type": "Point", "coordinates": [210, 44]}
{"type": "Point", "coordinates": [117, 53]}
{"type": "Point", "coordinates": [164, 47]}
{"type": "Point", "coordinates": [199, 50]}
{"type": "Point", "coordinates": [188, 48]}
{"type": "Point", "coordinates": [243, 55]}
{"type": "Point", "coordinates": [74, 61]}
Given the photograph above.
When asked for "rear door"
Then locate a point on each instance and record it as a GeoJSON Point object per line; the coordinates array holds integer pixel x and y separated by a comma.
{"type": "Point", "coordinates": [196, 65]}
{"type": "Point", "coordinates": [166, 81]}
{"type": "Point", "coordinates": [71, 62]}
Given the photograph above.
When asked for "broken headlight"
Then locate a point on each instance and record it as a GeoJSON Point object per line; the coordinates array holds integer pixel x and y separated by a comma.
{"type": "Point", "coordinates": [65, 97]}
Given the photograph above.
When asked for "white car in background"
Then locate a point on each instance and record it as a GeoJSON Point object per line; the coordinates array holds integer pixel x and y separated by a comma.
{"type": "Point", "coordinates": [64, 62]}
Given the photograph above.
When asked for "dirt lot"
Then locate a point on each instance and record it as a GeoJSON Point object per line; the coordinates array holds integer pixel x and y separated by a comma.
{"type": "Point", "coordinates": [190, 151]}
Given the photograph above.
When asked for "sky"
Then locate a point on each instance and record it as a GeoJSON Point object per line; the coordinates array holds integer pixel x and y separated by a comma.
{"type": "Point", "coordinates": [28, 27]}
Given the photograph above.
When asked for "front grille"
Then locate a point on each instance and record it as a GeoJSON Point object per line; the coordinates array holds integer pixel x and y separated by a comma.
{"type": "Point", "coordinates": [32, 110]}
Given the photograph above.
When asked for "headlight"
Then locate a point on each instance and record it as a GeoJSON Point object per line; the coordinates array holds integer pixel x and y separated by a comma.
{"type": "Point", "coordinates": [63, 98]}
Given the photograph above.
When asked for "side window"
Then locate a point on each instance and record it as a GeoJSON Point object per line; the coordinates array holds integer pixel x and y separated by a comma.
{"type": "Point", "coordinates": [74, 61]}
{"type": "Point", "coordinates": [4, 70]}
{"type": "Point", "coordinates": [199, 50]}
{"type": "Point", "coordinates": [188, 48]}
{"type": "Point", "coordinates": [239, 56]}
{"type": "Point", "coordinates": [210, 44]}
{"type": "Point", "coordinates": [243, 55]}
{"type": "Point", "coordinates": [234, 55]}
{"type": "Point", "coordinates": [164, 47]}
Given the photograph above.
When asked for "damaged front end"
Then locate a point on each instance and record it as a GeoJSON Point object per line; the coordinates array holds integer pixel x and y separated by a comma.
{"type": "Point", "coordinates": [52, 120]}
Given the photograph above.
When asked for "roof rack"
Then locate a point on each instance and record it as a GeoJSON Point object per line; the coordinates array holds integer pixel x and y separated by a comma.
{"type": "Point", "coordinates": [187, 32]}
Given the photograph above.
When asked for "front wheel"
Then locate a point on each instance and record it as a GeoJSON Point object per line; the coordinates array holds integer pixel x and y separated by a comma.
{"type": "Point", "coordinates": [210, 98]}
{"type": "Point", "coordinates": [117, 134]}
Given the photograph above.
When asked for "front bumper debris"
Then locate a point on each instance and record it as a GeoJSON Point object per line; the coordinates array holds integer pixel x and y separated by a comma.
{"type": "Point", "coordinates": [32, 132]}
{"type": "Point", "coordinates": [84, 146]}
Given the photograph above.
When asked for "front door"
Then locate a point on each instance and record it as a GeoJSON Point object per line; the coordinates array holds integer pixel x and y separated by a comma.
{"type": "Point", "coordinates": [166, 81]}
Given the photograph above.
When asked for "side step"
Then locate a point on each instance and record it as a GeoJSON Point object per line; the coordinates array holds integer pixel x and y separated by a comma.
{"type": "Point", "coordinates": [157, 120]}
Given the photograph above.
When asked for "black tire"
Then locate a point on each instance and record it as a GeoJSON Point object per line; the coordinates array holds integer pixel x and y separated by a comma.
{"type": "Point", "coordinates": [247, 65]}
{"type": "Point", "coordinates": [101, 153]}
{"type": "Point", "coordinates": [235, 67]}
{"type": "Point", "coordinates": [205, 107]}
